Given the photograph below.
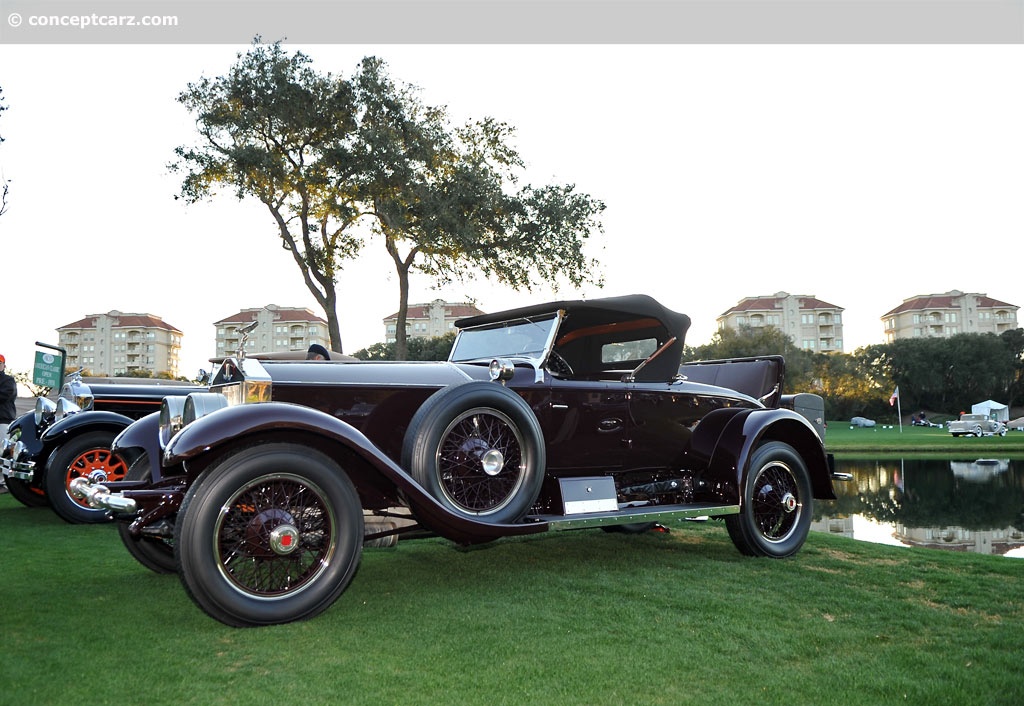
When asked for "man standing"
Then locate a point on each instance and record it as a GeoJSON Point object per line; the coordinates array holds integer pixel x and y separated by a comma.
{"type": "Point", "coordinates": [8, 394]}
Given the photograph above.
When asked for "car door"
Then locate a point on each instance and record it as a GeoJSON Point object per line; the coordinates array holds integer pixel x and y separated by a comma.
{"type": "Point", "coordinates": [587, 426]}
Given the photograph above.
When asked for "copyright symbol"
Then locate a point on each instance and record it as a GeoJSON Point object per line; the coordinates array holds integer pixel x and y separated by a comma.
{"type": "Point", "coordinates": [14, 19]}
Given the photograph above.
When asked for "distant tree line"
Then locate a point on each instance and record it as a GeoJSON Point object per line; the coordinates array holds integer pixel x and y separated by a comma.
{"type": "Point", "coordinates": [435, 348]}
{"type": "Point", "coordinates": [941, 375]}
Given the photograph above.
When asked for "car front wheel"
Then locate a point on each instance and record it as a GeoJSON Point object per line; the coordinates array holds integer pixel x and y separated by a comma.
{"type": "Point", "coordinates": [775, 512]}
{"type": "Point", "coordinates": [156, 553]}
{"type": "Point", "coordinates": [25, 493]}
{"type": "Point", "coordinates": [269, 534]}
{"type": "Point", "coordinates": [85, 456]}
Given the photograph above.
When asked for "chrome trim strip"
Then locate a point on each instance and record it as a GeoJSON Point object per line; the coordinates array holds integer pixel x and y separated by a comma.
{"type": "Point", "coordinates": [671, 514]}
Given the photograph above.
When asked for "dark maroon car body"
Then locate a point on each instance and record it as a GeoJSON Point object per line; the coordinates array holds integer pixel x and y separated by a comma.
{"type": "Point", "coordinates": [566, 415]}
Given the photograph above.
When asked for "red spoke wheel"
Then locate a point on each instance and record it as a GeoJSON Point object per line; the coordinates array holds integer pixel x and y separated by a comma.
{"type": "Point", "coordinates": [85, 456]}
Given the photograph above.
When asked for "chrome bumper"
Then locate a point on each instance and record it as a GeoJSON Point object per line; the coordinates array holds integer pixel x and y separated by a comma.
{"type": "Point", "coordinates": [22, 470]}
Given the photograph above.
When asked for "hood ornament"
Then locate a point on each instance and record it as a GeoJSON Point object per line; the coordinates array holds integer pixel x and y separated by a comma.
{"type": "Point", "coordinates": [245, 331]}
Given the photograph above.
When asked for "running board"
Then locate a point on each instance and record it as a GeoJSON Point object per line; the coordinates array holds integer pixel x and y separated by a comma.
{"type": "Point", "coordinates": [661, 514]}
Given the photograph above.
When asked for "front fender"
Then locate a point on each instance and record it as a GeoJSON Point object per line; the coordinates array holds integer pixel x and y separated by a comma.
{"type": "Point", "coordinates": [30, 434]}
{"type": "Point", "coordinates": [205, 437]}
{"type": "Point", "coordinates": [81, 422]}
{"type": "Point", "coordinates": [141, 437]}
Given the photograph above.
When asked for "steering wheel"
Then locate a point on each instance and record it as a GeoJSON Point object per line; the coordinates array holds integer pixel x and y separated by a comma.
{"type": "Point", "coordinates": [557, 365]}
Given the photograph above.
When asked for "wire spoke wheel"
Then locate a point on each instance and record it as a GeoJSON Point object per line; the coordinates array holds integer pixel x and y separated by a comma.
{"type": "Point", "coordinates": [480, 460]}
{"type": "Point", "coordinates": [274, 536]}
{"type": "Point", "coordinates": [270, 534]}
{"type": "Point", "coordinates": [477, 448]}
{"type": "Point", "coordinates": [775, 510]}
{"type": "Point", "coordinates": [776, 505]}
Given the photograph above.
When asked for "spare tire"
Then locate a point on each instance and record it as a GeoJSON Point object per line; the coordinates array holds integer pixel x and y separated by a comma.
{"type": "Point", "coordinates": [478, 449]}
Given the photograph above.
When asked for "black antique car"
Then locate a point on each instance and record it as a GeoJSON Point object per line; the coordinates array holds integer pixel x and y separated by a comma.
{"type": "Point", "coordinates": [46, 449]}
{"type": "Point", "coordinates": [566, 415]}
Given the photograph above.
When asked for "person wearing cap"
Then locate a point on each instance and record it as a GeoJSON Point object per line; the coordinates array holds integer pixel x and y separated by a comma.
{"type": "Point", "coordinates": [8, 395]}
{"type": "Point", "coordinates": [8, 411]}
{"type": "Point", "coordinates": [317, 352]}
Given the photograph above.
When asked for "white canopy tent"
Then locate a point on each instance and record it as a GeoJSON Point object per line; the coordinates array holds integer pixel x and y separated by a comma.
{"type": "Point", "coordinates": [992, 410]}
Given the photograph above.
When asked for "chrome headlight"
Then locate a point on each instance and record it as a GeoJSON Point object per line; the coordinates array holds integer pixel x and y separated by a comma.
{"type": "Point", "coordinates": [65, 408]}
{"type": "Point", "coordinates": [176, 413]}
{"type": "Point", "coordinates": [78, 392]}
{"type": "Point", "coordinates": [170, 418]}
{"type": "Point", "coordinates": [43, 411]}
{"type": "Point", "coordinates": [199, 404]}
{"type": "Point", "coordinates": [501, 369]}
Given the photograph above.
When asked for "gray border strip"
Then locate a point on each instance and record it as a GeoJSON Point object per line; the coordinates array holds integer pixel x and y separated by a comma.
{"type": "Point", "coordinates": [513, 21]}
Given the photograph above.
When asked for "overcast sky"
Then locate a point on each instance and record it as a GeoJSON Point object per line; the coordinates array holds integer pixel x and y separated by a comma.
{"type": "Point", "coordinates": [862, 175]}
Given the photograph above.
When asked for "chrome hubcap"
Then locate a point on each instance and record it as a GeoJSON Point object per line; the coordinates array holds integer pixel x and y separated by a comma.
{"type": "Point", "coordinates": [492, 462]}
{"type": "Point", "coordinates": [284, 539]}
{"type": "Point", "coordinates": [789, 502]}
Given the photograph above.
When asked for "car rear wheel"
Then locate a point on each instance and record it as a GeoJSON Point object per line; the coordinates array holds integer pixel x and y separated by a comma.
{"type": "Point", "coordinates": [775, 512]}
{"type": "Point", "coordinates": [156, 553]}
{"type": "Point", "coordinates": [478, 449]}
{"type": "Point", "coordinates": [270, 534]}
{"type": "Point", "coordinates": [84, 456]}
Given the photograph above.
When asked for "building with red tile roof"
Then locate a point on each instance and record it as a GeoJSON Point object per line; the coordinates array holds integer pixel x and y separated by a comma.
{"type": "Point", "coordinates": [810, 323]}
{"type": "Point", "coordinates": [278, 329]}
{"type": "Point", "coordinates": [947, 314]}
{"type": "Point", "coordinates": [429, 320]}
{"type": "Point", "coordinates": [116, 343]}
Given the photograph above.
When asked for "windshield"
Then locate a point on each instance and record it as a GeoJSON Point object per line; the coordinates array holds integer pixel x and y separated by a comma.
{"type": "Point", "coordinates": [526, 338]}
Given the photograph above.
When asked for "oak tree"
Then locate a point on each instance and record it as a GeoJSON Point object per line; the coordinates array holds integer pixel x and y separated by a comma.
{"type": "Point", "coordinates": [324, 153]}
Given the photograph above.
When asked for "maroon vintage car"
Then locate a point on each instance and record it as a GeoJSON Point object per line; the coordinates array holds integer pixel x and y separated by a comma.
{"type": "Point", "coordinates": [566, 415]}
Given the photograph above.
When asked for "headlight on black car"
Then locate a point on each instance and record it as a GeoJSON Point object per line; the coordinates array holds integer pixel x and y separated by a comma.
{"type": "Point", "coordinates": [43, 411]}
{"type": "Point", "coordinates": [65, 408]}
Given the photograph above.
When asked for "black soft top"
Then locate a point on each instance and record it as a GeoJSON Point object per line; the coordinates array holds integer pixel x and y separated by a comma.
{"type": "Point", "coordinates": [593, 312]}
{"type": "Point", "coordinates": [590, 323]}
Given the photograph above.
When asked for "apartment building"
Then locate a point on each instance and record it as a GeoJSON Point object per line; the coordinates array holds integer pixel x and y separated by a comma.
{"type": "Point", "coordinates": [947, 314]}
{"type": "Point", "coordinates": [116, 343]}
{"type": "Point", "coordinates": [429, 320]}
{"type": "Point", "coordinates": [810, 323]}
{"type": "Point", "coordinates": [279, 328]}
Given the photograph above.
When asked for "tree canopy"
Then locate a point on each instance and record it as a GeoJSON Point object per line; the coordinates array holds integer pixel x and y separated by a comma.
{"type": "Point", "coordinates": [942, 375]}
{"type": "Point", "coordinates": [324, 153]}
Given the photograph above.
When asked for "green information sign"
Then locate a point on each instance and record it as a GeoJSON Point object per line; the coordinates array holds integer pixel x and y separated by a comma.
{"type": "Point", "coordinates": [46, 372]}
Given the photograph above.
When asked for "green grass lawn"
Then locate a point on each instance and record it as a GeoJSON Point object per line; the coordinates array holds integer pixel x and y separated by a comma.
{"type": "Point", "coordinates": [841, 438]}
{"type": "Point", "coordinates": [581, 617]}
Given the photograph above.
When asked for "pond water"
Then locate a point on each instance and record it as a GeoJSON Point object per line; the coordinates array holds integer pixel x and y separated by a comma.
{"type": "Point", "coordinates": [972, 505]}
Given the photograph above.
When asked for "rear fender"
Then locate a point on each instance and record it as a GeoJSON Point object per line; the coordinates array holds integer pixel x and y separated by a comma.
{"type": "Point", "coordinates": [748, 430]}
{"type": "Point", "coordinates": [207, 438]}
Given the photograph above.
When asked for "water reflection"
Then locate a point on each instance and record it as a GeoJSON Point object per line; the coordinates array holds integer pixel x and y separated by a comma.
{"type": "Point", "coordinates": [963, 505]}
